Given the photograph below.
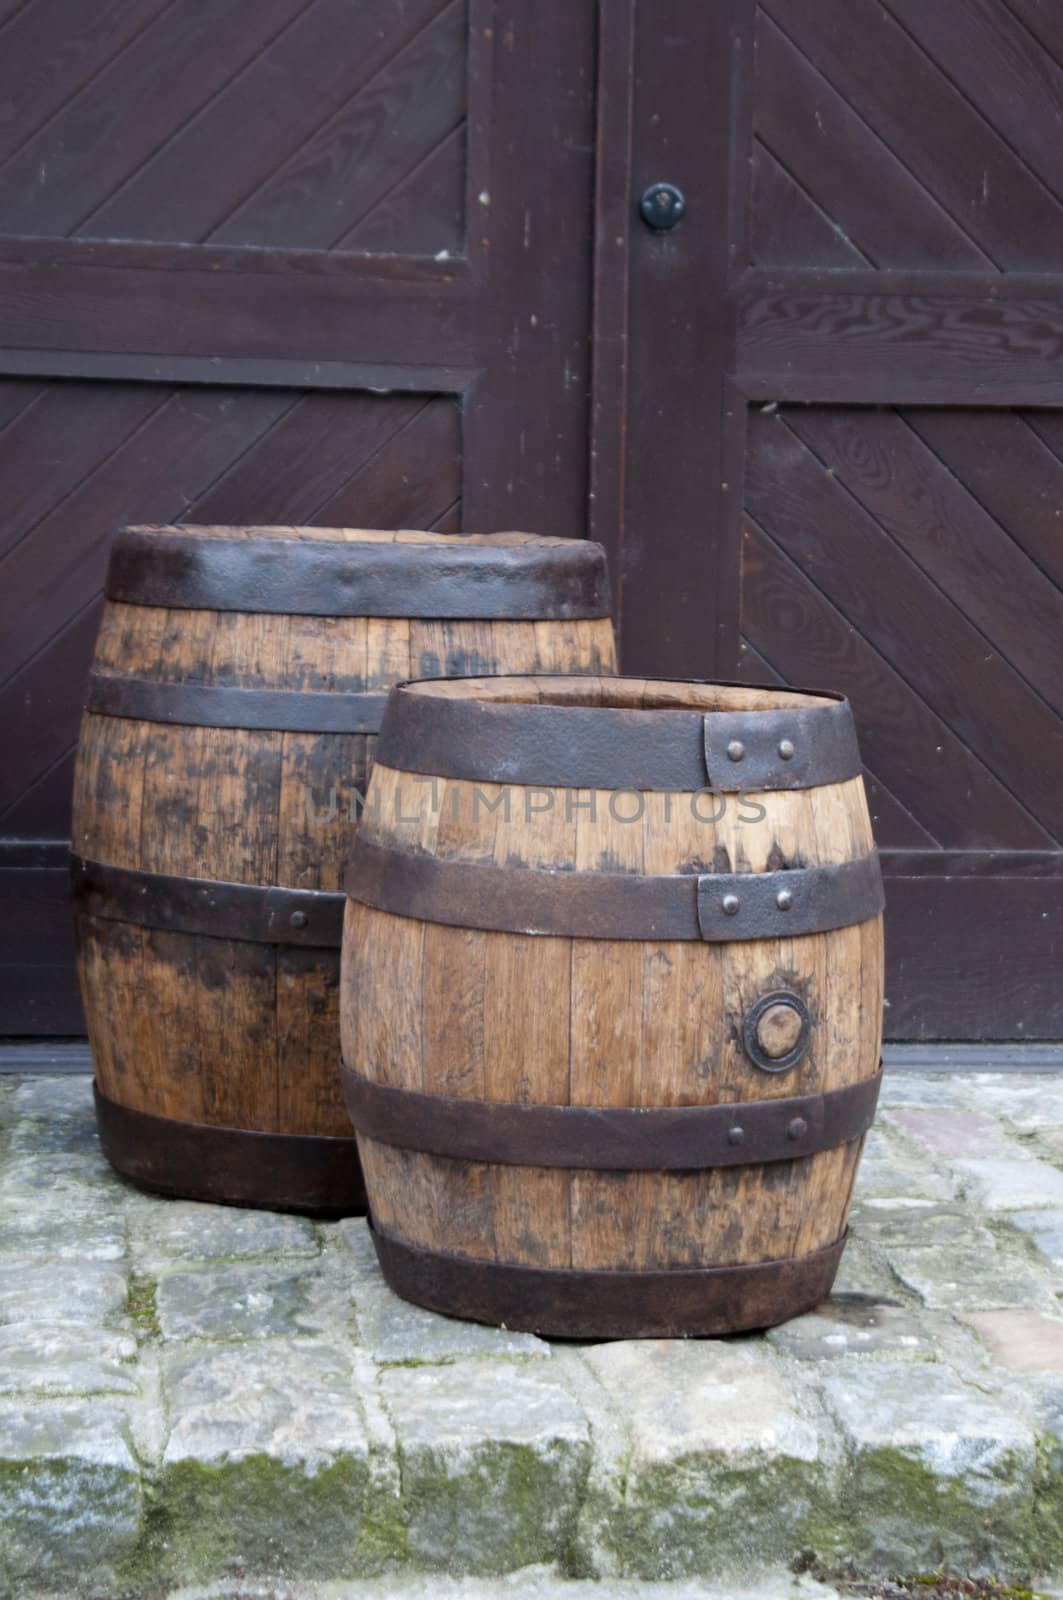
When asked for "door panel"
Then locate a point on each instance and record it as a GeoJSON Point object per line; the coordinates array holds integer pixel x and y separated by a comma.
{"type": "Point", "coordinates": [861, 486]}
{"type": "Point", "coordinates": [910, 552]}
{"type": "Point", "coordinates": [262, 260]}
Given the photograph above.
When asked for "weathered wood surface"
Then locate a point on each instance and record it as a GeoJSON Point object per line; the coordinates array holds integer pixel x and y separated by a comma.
{"type": "Point", "coordinates": [222, 1031]}
{"type": "Point", "coordinates": [510, 1017]}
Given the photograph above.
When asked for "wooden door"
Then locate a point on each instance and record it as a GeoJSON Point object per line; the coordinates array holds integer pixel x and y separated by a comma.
{"type": "Point", "coordinates": [836, 387]}
{"type": "Point", "coordinates": [265, 260]}
{"type": "Point", "coordinates": [382, 262]}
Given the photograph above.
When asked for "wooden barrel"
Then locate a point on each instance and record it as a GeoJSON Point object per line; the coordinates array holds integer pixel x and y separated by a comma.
{"type": "Point", "coordinates": [611, 1001]}
{"type": "Point", "coordinates": [239, 681]}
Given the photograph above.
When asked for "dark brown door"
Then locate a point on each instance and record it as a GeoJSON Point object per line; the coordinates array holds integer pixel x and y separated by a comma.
{"type": "Point", "coordinates": [275, 261]}
{"type": "Point", "coordinates": [382, 263]}
{"type": "Point", "coordinates": [839, 405]}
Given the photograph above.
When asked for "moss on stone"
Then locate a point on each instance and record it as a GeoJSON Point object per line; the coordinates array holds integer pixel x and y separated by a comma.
{"type": "Point", "coordinates": [383, 1542]}
{"type": "Point", "coordinates": [895, 1513]}
{"type": "Point", "coordinates": [65, 1524]}
{"type": "Point", "coordinates": [502, 1506]}
{"type": "Point", "coordinates": [696, 1517]}
{"type": "Point", "coordinates": [141, 1305]}
{"type": "Point", "coordinates": [1047, 1517]}
{"type": "Point", "coordinates": [259, 1515]}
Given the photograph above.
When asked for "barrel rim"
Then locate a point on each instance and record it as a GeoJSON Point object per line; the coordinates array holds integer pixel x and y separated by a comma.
{"type": "Point", "coordinates": [448, 685]}
{"type": "Point", "coordinates": [558, 580]}
{"type": "Point", "coordinates": [559, 743]}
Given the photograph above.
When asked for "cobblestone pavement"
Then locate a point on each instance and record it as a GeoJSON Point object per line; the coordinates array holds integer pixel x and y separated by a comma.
{"type": "Point", "coordinates": [191, 1394]}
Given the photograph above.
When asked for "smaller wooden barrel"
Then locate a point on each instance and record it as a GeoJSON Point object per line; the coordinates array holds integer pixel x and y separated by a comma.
{"type": "Point", "coordinates": [611, 1001]}
{"type": "Point", "coordinates": [239, 680]}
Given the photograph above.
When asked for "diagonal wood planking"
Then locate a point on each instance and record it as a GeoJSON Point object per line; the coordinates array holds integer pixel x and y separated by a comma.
{"type": "Point", "coordinates": [177, 455]}
{"type": "Point", "coordinates": [146, 123]}
{"type": "Point", "coordinates": [787, 224]}
{"type": "Point", "coordinates": [333, 181]}
{"type": "Point", "coordinates": [956, 545]}
{"type": "Point", "coordinates": [903, 531]}
{"type": "Point", "coordinates": [895, 827]}
{"type": "Point", "coordinates": [843, 168]}
{"type": "Point", "coordinates": [52, 49]}
{"type": "Point", "coordinates": [1003, 71]}
{"type": "Point", "coordinates": [923, 153]}
{"type": "Point", "coordinates": [868, 562]}
{"type": "Point", "coordinates": [905, 742]}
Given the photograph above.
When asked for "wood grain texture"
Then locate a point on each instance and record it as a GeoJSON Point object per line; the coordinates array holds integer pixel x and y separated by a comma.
{"type": "Point", "coordinates": [552, 1020]}
{"type": "Point", "coordinates": [238, 1034]}
{"type": "Point", "coordinates": [938, 523]}
{"type": "Point", "coordinates": [109, 118]}
{"type": "Point", "coordinates": [953, 146]}
{"type": "Point", "coordinates": [868, 199]}
{"type": "Point", "coordinates": [899, 338]}
{"type": "Point", "coordinates": [922, 629]}
{"type": "Point", "coordinates": [903, 324]}
{"type": "Point", "coordinates": [787, 224]}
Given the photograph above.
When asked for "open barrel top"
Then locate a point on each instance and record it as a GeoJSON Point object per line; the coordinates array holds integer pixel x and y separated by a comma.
{"type": "Point", "coordinates": [619, 692]}
{"type": "Point", "coordinates": [602, 732]}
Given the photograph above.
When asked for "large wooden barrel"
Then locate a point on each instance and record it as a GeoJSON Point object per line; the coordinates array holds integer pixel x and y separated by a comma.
{"type": "Point", "coordinates": [611, 1001]}
{"type": "Point", "coordinates": [239, 678]}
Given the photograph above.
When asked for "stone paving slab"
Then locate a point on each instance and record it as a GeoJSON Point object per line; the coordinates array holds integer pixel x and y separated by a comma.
{"type": "Point", "coordinates": [200, 1395]}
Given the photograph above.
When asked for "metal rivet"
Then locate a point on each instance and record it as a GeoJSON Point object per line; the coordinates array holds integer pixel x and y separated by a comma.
{"type": "Point", "coordinates": [784, 899]}
{"type": "Point", "coordinates": [736, 750]}
{"type": "Point", "coordinates": [298, 919]}
{"type": "Point", "coordinates": [735, 1135]}
{"type": "Point", "coordinates": [730, 904]}
{"type": "Point", "coordinates": [786, 749]}
{"type": "Point", "coordinates": [797, 1129]}
{"type": "Point", "coordinates": [662, 205]}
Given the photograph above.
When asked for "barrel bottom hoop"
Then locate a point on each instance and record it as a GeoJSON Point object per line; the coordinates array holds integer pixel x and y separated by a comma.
{"type": "Point", "coordinates": [566, 1304]}
{"type": "Point", "coordinates": [310, 1173]}
{"type": "Point", "coordinates": [611, 1138]}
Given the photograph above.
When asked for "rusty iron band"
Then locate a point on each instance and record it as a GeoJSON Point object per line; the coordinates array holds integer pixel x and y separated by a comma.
{"type": "Point", "coordinates": [259, 913]}
{"type": "Point", "coordinates": [611, 1138]}
{"type": "Point", "coordinates": [608, 1304]}
{"type": "Point", "coordinates": [347, 579]}
{"type": "Point", "coordinates": [718, 907]}
{"type": "Point", "coordinates": [220, 706]}
{"type": "Point", "coordinates": [232, 1166]}
{"type": "Point", "coordinates": [603, 747]}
